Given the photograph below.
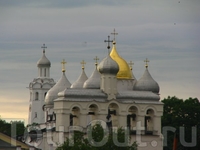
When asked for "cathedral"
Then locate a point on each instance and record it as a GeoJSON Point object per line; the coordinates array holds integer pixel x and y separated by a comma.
{"type": "Point", "coordinates": [111, 95]}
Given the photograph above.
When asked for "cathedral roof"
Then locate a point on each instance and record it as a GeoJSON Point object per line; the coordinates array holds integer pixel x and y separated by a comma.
{"type": "Point", "coordinates": [44, 61]}
{"type": "Point", "coordinates": [108, 66]}
{"type": "Point", "coordinates": [99, 95]}
{"type": "Point", "coordinates": [137, 95]}
{"type": "Point", "coordinates": [52, 94]}
{"type": "Point", "coordinates": [82, 94]}
{"type": "Point", "coordinates": [93, 82]}
{"type": "Point", "coordinates": [124, 70]}
{"type": "Point", "coordinates": [82, 78]}
{"type": "Point", "coordinates": [147, 83]}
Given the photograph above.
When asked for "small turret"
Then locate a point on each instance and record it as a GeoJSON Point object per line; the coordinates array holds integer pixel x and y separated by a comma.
{"type": "Point", "coordinates": [44, 65]}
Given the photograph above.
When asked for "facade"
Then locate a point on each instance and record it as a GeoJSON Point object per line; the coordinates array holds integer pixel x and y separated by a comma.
{"type": "Point", "coordinates": [111, 95]}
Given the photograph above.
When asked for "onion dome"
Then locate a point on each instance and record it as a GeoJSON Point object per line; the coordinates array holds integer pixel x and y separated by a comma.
{"type": "Point", "coordinates": [124, 70]}
{"type": "Point", "coordinates": [108, 66]}
{"type": "Point", "coordinates": [52, 94]}
{"type": "Point", "coordinates": [62, 84]}
{"type": "Point", "coordinates": [44, 62]}
{"type": "Point", "coordinates": [82, 78]}
{"type": "Point", "coordinates": [93, 82]}
{"type": "Point", "coordinates": [146, 82]}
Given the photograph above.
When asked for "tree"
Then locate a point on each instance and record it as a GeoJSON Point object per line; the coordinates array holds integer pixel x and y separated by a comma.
{"type": "Point", "coordinates": [5, 127]}
{"type": "Point", "coordinates": [184, 116]}
{"type": "Point", "coordinates": [97, 140]}
{"type": "Point", "coordinates": [14, 128]}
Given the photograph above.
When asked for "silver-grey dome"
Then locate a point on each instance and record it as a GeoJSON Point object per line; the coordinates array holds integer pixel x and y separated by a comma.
{"type": "Point", "coordinates": [147, 83]}
{"type": "Point", "coordinates": [80, 81]}
{"type": "Point", "coordinates": [108, 66]}
{"type": "Point", "coordinates": [44, 62]}
{"type": "Point", "coordinates": [93, 82]}
{"type": "Point", "coordinates": [52, 94]}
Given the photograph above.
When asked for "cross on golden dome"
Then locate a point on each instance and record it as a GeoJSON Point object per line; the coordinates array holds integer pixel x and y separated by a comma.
{"type": "Point", "coordinates": [83, 64]}
{"type": "Point", "coordinates": [114, 33]}
{"type": "Point", "coordinates": [131, 65]}
{"type": "Point", "coordinates": [146, 61]}
{"type": "Point", "coordinates": [43, 46]}
{"type": "Point", "coordinates": [96, 60]}
{"type": "Point", "coordinates": [63, 65]}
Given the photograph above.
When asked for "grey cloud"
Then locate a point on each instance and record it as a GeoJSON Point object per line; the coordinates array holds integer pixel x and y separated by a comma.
{"type": "Point", "coordinates": [61, 3]}
{"type": "Point", "coordinates": [146, 30]}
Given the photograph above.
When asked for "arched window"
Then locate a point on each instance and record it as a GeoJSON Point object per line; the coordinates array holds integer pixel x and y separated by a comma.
{"type": "Point", "coordinates": [92, 113]}
{"type": "Point", "coordinates": [36, 95]}
{"type": "Point", "coordinates": [132, 118]}
{"type": "Point", "coordinates": [112, 117]}
{"type": "Point", "coordinates": [74, 117]}
{"type": "Point", "coordinates": [51, 117]}
{"type": "Point", "coordinates": [149, 121]}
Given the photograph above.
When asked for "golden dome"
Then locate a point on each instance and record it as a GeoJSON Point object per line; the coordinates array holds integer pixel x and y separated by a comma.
{"type": "Point", "coordinates": [124, 69]}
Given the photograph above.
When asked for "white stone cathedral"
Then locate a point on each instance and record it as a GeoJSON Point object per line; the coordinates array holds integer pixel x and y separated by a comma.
{"type": "Point", "coordinates": [111, 95]}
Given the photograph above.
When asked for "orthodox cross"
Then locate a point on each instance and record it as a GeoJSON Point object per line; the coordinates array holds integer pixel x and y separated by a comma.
{"type": "Point", "coordinates": [146, 61]}
{"type": "Point", "coordinates": [63, 65]}
{"type": "Point", "coordinates": [43, 48]}
{"type": "Point", "coordinates": [96, 59]}
{"type": "Point", "coordinates": [131, 65]}
{"type": "Point", "coordinates": [83, 64]}
{"type": "Point", "coordinates": [108, 42]}
{"type": "Point", "coordinates": [114, 33]}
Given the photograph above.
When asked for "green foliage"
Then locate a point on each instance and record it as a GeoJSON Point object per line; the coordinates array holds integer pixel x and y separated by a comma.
{"type": "Point", "coordinates": [17, 127]}
{"type": "Point", "coordinates": [182, 113]}
{"type": "Point", "coordinates": [5, 127]}
{"type": "Point", "coordinates": [94, 139]}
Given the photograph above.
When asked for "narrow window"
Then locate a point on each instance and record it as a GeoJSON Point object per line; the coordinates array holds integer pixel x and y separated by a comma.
{"type": "Point", "coordinates": [35, 114]}
{"type": "Point", "coordinates": [36, 96]}
{"type": "Point", "coordinates": [40, 72]}
{"type": "Point", "coordinates": [45, 72]}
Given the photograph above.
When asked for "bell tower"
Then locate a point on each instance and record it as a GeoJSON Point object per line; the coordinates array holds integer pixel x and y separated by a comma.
{"type": "Point", "coordinates": [38, 89]}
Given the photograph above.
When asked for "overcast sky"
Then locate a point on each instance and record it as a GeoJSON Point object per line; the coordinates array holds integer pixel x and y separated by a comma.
{"type": "Point", "coordinates": [167, 32]}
